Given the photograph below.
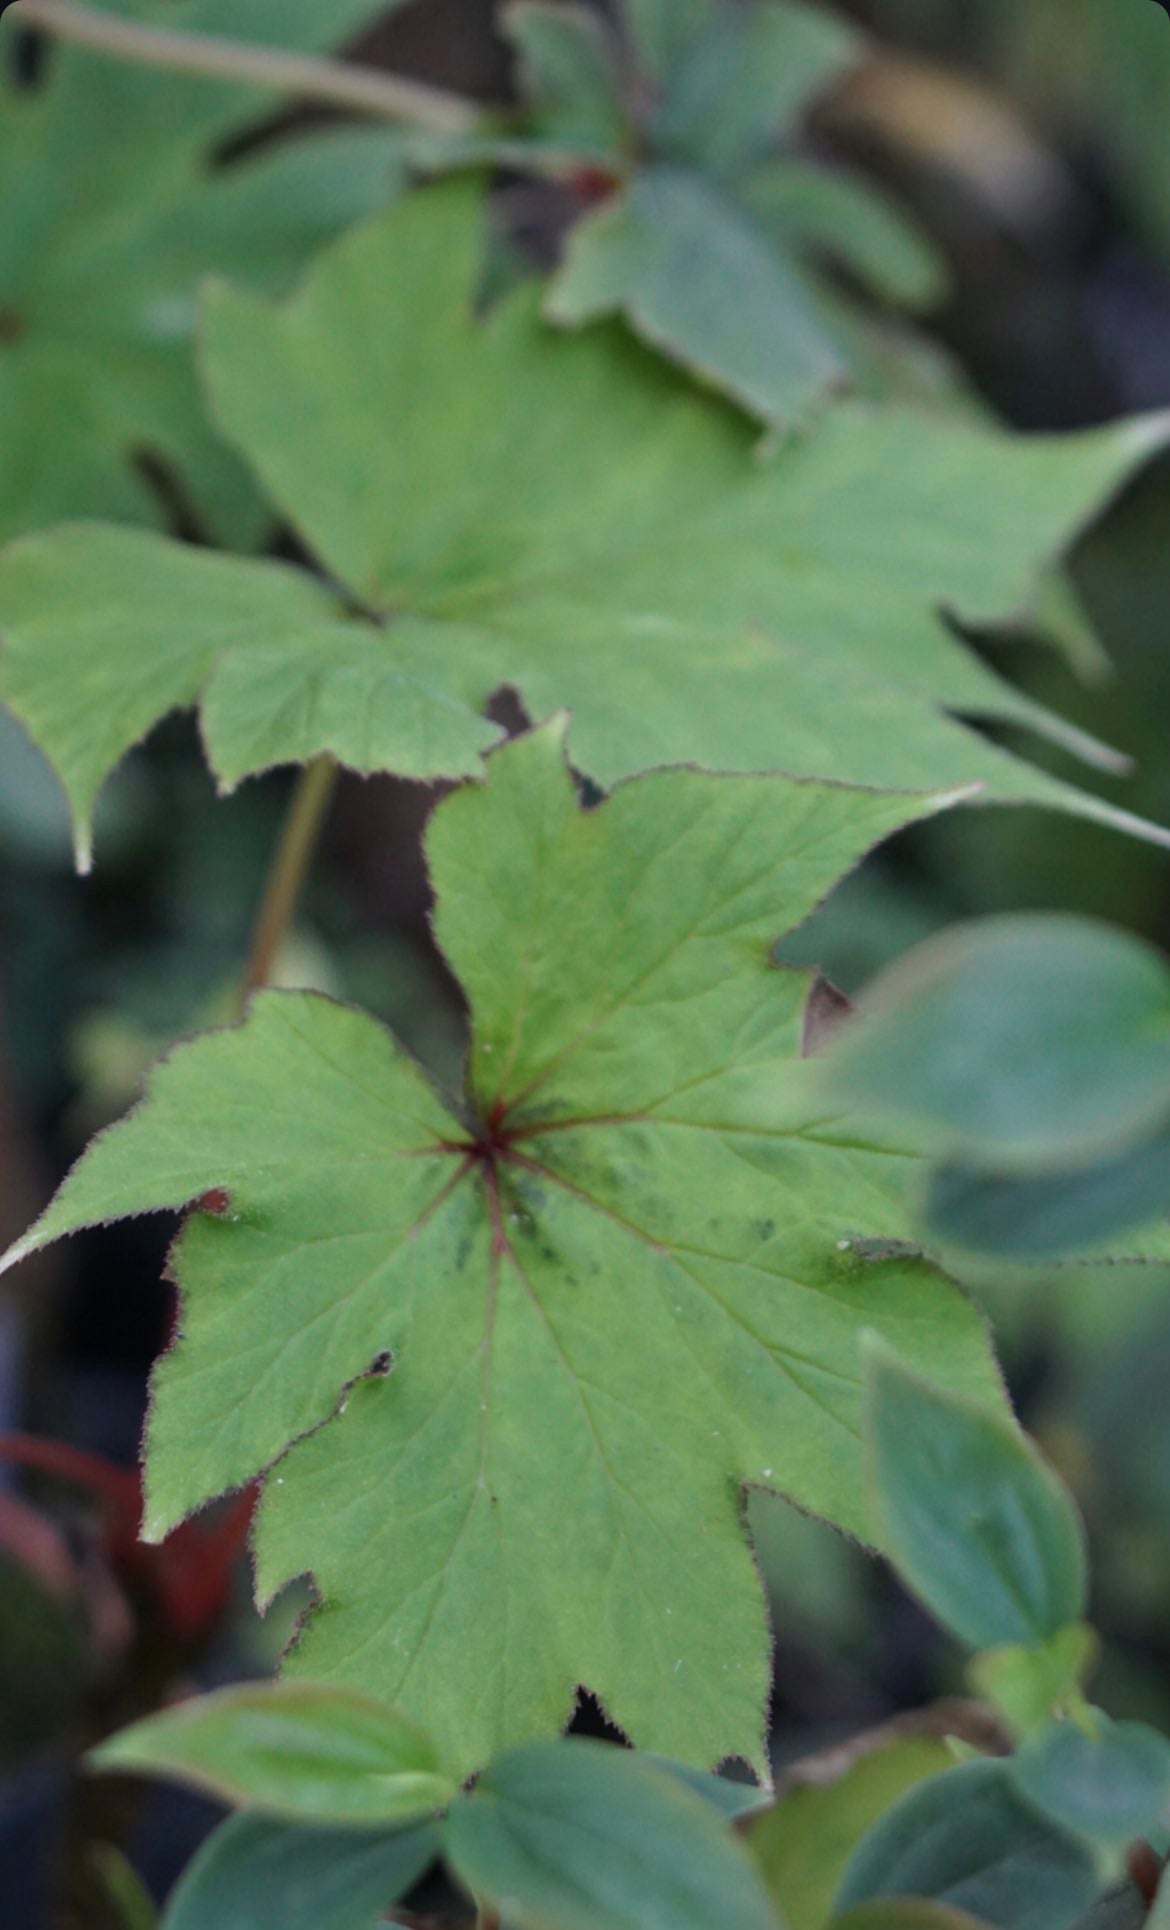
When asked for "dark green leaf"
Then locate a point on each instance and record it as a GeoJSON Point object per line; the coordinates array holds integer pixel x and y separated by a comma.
{"type": "Point", "coordinates": [1019, 1041]}
{"type": "Point", "coordinates": [1112, 1787]}
{"type": "Point", "coordinates": [729, 1799]}
{"type": "Point", "coordinates": [580, 1836]}
{"type": "Point", "coordinates": [1043, 1216]}
{"type": "Point", "coordinates": [255, 1874]}
{"type": "Point", "coordinates": [292, 1750]}
{"type": "Point", "coordinates": [967, 1839]}
{"type": "Point", "coordinates": [975, 1522]}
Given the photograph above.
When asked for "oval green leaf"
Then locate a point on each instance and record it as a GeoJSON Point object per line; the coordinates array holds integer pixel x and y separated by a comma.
{"type": "Point", "coordinates": [968, 1839]}
{"type": "Point", "coordinates": [1043, 1216]}
{"type": "Point", "coordinates": [580, 1836]}
{"type": "Point", "coordinates": [805, 1841]}
{"type": "Point", "coordinates": [290, 1749]}
{"type": "Point", "coordinates": [257, 1874]}
{"type": "Point", "coordinates": [975, 1522]}
{"type": "Point", "coordinates": [1023, 1041]}
{"type": "Point", "coordinates": [1112, 1788]}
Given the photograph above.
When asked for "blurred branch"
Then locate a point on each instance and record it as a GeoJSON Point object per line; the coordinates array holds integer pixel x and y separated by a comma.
{"type": "Point", "coordinates": [332, 82]}
{"type": "Point", "coordinates": [302, 830]}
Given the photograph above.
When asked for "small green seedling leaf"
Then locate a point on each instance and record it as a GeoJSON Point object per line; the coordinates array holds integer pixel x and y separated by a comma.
{"type": "Point", "coordinates": [257, 1874]}
{"type": "Point", "coordinates": [968, 1840]}
{"type": "Point", "coordinates": [804, 1842]}
{"type": "Point", "coordinates": [612, 1287]}
{"type": "Point", "coordinates": [1018, 1043]}
{"type": "Point", "coordinates": [291, 1750]}
{"type": "Point", "coordinates": [686, 600]}
{"type": "Point", "coordinates": [580, 1836]}
{"type": "Point", "coordinates": [1111, 1787]}
{"type": "Point", "coordinates": [974, 1521]}
{"type": "Point", "coordinates": [1032, 1685]}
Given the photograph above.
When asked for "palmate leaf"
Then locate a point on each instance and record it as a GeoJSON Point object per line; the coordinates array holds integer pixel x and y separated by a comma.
{"type": "Point", "coordinates": [500, 505]}
{"type": "Point", "coordinates": [110, 215]}
{"type": "Point", "coordinates": [626, 1277]}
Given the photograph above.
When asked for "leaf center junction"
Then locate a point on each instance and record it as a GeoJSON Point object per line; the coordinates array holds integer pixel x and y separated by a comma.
{"type": "Point", "coordinates": [491, 1146]}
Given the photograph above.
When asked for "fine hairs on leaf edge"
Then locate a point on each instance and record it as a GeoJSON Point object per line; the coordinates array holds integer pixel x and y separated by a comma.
{"type": "Point", "coordinates": [315, 1600]}
{"type": "Point", "coordinates": [217, 1197]}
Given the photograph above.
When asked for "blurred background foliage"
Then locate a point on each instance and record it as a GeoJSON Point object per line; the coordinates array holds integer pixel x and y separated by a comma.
{"type": "Point", "coordinates": [1029, 141]}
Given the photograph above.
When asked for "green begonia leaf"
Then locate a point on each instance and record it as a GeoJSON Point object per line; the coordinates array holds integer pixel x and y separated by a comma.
{"type": "Point", "coordinates": [972, 1518]}
{"type": "Point", "coordinates": [581, 1836]}
{"type": "Point", "coordinates": [1112, 1788]}
{"type": "Point", "coordinates": [617, 1285]}
{"type": "Point", "coordinates": [562, 516]}
{"type": "Point", "coordinates": [104, 241]}
{"type": "Point", "coordinates": [803, 1844]}
{"type": "Point", "coordinates": [257, 1874]}
{"type": "Point", "coordinates": [291, 1749]}
{"type": "Point", "coordinates": [968, 1839]}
